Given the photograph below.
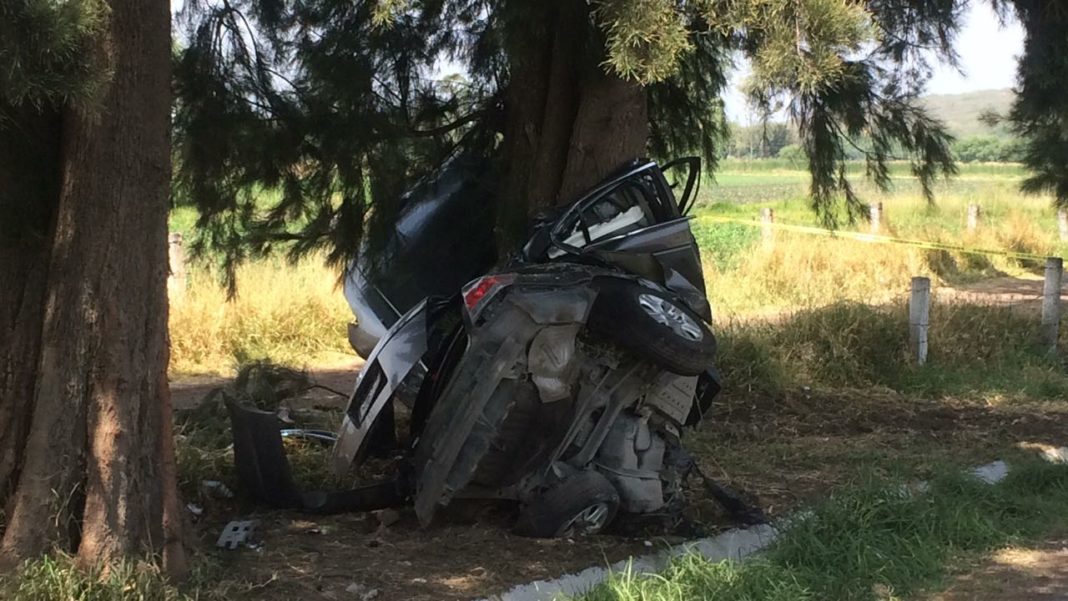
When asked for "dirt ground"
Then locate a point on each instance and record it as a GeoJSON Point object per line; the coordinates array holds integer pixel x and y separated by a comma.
{"type": "Point", "coordinates": [1004, 290]}
{"type": "Point", "coordinates": [470, 553]}
{"type": "Point", "coordinates": [783, 452]}
{"type": "Point", "coordinates": [1035, 573]}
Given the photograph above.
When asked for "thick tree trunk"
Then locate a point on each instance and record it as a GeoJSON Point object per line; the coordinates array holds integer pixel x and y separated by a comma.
{"type": "Point", "coordinates": [569, 123]}
{"type": "Point", "coordinates": [97, 468]}
{"type": "Point", "coordinates": [29, 165]}
{"type": "Point", "coordinates": [23, 269]}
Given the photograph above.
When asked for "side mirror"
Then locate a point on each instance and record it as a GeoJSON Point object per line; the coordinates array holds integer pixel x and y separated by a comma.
{"type": "Point", "coordinates": [692, 165]}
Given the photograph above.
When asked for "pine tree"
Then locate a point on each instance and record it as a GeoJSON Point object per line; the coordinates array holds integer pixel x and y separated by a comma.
{"type": "Point", "coordinates": [335, 104]}
{"type": "Point", "coordinates": [1039, 115]}
{"type": "Point", "coordinates": [86, 452]}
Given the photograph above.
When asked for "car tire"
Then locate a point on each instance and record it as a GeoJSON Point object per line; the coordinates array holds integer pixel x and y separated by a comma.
{"type": "Point", "coordinates": [654, 325]}
{"type": "Point", "coordinates": [584, 503]}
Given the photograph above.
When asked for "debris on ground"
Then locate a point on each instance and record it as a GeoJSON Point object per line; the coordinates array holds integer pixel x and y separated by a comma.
{"type": "Point", "coordinates": [216, 489]}
{"type": "Point", "coordinates": [387, 517]}
{"type": "Point", "coordinates": [362, 591]}
{"type": "Point", "coordinates": [237, 533]}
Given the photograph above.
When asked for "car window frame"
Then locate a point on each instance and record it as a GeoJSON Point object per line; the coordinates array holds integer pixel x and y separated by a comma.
{"type": "Point", "coordinates": [653, 214]}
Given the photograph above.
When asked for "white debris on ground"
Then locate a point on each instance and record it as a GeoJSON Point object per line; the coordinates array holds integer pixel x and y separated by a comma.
{"type": "Point", "coordinates": [362, 591]}
{"type": "Point", "coordinates": [1056, 455]}
{"type": "Point", "coordinates": [733, 544]}
{"type": "Point", "coordinates": [992, 473]}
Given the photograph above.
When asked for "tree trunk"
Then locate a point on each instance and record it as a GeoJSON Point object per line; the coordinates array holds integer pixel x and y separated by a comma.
{"type": "Point", "coordinates": [96, 472]}
{"type": "Point", "coordinates": [29, 163]}
{"type": "Point", "coordinates": [569, 123]}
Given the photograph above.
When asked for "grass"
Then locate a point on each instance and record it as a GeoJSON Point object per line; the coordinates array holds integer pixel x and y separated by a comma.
{"type": "Point", "coordinates": [872, 541]}
{"type": "Point", "coordinates": [58, 579]}
{"type": "Point", "coordinates": [742, 188]}
{"type": "Point", "coordinates": [983, 352]}
{"type": "Point", "coordinates": [289, 313]}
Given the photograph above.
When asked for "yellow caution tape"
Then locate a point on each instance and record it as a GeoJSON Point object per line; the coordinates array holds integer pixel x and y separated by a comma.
{"type": "Point", "coordinates": [862, 237]}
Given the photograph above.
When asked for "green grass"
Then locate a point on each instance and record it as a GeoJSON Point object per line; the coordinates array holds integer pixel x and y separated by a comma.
{"type": "Point", "coordinates": [183, 220]}
{"type": "Point", "coordinates": [742, 188]}
{"type": "Point", "coordinates": [977, 351]}
{"type": "Point", "coordinates": [58, 579]}
{"type": "Point", "coordinates": [755, 181]}
{"type": "Point", "coordinates": [872, 541]}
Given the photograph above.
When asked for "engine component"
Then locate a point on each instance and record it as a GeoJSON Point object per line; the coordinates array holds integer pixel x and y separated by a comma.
{"type": "Point", "coordinates": [631, 457]}
{"type": "Point", "coordinates": [550, 361]}
{"type": "Point", "coordinates": [673, 395]}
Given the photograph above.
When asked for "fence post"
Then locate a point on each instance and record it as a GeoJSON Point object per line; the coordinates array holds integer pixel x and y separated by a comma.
{"type": "Point", "coordinates": [876, 213]}
{"type": "Point", "coordinates": [1062, 223]}
{"type": "Point", "coordinates": [176, 260]}
{"type": "Point", "coordinates": [919, 314]}
{"type": "Point", "coordinates": [974, 212]}
{"type": "Point", "coordinates": [1051, 303]}
{"type": "Point", "coordinates": [767, 232]}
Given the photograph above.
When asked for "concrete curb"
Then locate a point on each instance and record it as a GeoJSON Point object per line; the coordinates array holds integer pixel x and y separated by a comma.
{"type": "Point", "coordinates": [732, 544]}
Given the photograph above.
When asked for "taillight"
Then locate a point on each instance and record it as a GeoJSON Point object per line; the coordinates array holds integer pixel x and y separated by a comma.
{"type": "Point", "coordinates": [479, 292]}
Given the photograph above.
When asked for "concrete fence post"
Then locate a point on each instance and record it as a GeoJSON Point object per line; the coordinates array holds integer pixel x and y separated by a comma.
{"type": "Point", "coordinates": [1051, 303]}
{"type": "Point", "coordinates": [974, 214]}
{"type": "Point", "coordinates": [1062, 223]}
{"type": "Point", "coordinates": [767, 232]}
{"type": "Point", "coordinates": [176, 261]}
{"type": "Point", "coordinates": [876, 214]}
{"type": "Point", "coordinates": [919, 315]}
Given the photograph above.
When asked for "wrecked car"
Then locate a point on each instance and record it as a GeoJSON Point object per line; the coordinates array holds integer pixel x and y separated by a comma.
{"type": "Point", "coordinates": [562, 380]}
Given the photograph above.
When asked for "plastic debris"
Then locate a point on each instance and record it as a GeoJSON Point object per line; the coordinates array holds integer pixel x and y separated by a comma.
{"type": "Point", "coordinates": [236, 533]}
{"type": "Point", "coordinates": [364, 592]}
{"type": "Point", "coordinates": [214, 488]}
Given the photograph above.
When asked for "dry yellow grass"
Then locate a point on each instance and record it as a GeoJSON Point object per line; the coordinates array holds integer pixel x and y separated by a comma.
{"type": "Point", "coordinates": [800, 271]}
{"type": "Point", "coordinates": [289, 313]}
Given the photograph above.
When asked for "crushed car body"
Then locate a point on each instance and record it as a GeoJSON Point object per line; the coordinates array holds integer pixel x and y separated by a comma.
{"type": "Point", "coordinates": [562, 380]}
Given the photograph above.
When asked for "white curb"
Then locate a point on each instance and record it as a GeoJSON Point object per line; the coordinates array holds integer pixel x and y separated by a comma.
{"type": "Point", "coordinates": [732, 544]}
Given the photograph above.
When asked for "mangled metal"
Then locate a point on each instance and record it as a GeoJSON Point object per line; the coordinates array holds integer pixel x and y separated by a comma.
{"type": "Point", "coordinates": [562, 381]}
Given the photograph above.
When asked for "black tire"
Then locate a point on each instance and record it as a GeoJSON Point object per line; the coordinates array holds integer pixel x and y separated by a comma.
{"type": "Point", "coordinates": [584, 503]}
{"type": "Point", "coordinates": [624, 314]}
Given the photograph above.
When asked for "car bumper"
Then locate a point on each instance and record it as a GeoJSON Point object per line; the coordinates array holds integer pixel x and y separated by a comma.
{"type": "Point", "coordinates": [373, 311]}
{"type": "Point", "coordinates": [361, 341]}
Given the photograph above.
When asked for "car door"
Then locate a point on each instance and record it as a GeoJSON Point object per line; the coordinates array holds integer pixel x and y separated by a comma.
{"type": "Point", "coordinates": [635, 223]}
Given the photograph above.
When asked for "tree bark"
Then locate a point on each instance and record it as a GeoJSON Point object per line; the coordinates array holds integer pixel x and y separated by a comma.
{"type": "Point", "coordinates": [96, 473]}
{"type": "Point", "coordinates": [29, 166]}
{"type": "Point", "coordinates": [568, 123]}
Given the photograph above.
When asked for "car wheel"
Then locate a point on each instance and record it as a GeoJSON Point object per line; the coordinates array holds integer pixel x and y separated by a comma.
{"type": "Point", "coordinates": [654, 325]}
{"type": "Point", "coordinates": [584, 503]}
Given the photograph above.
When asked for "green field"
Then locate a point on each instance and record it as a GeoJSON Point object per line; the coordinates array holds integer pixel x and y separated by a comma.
{"type": "Point", "coordinates": [1010, 221]}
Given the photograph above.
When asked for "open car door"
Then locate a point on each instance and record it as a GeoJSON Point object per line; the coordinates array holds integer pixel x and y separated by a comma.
{"type": "Point", "coordinates": [635, 222]}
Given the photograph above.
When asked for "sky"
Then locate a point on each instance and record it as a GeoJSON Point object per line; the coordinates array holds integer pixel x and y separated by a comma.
{"type": "Point", "coordinates": [988, 53]}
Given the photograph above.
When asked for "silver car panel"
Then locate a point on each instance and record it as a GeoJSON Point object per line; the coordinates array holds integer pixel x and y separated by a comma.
{"type": "Point", "coordinates": [395, 357]}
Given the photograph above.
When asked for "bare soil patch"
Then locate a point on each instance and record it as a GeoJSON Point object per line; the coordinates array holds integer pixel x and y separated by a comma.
{"type": "Point", "coordinates": [1012, 291]}
{"type": "Point", "coordinates": [1034, 573]}
{"type": "Point", "coordinates": [789, 450]}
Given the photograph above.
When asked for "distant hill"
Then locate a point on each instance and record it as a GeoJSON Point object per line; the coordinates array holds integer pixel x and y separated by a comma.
{"type": "Point", "coordinates": [961, 112]}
